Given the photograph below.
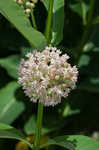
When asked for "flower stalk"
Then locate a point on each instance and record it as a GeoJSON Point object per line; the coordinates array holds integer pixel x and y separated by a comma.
{"type": "Point", "coordinates": [49, 22]}
{"type": "Point", "coordinates": [40, 106]}
{"type": "Point", "coordinates": [33, 19]}
{"type": "Point", "coordinates": [38, 127]}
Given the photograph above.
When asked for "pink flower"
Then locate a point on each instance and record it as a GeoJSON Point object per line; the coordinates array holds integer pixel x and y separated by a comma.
{"type": "Point", "coordinates": [46, 76]}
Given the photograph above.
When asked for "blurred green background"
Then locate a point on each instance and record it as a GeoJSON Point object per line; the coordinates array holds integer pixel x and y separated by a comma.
{"type": "Point", "coordinates": [77, 114]}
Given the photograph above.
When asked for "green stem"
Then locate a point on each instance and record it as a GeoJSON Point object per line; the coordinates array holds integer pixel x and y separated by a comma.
{"type": "Point", "coordinates": [40, 106]}
{"type": "Point", "coordinates": [87, 28]}
{"type": "Point", "coordinates": [84, 19]}
{"type": "Point", "coordinates": [38, 127]}
{"type": "Point", "coordinates": [49, 22]}
{"type": "Point", "coordinates": [33, 19]}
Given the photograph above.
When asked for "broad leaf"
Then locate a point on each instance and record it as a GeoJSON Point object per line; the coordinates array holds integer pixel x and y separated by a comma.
{"type": "Point", "coordinates": [9, 132]}
{"type": "Point", "coordinates": [58, 20]}
{"type": "Point", "coordinates": [60, 141]}
{"type": "Point", "coordinates": [11, 65]}
{"type": "Point", "coordinates": [10, 106]}
{"type": "Point", "coordinates": [14, 14]}
{"type": "Point", "coordinates": [75, 142]}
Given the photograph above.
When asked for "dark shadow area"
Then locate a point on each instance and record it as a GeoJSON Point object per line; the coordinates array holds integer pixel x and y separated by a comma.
{"type": "Point", "coordinates": [40, 13]}
{"type": "Point", "coordinates": [4, 78]}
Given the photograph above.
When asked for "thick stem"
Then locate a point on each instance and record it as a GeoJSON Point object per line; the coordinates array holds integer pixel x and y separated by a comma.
{"type": "Point", "coordinates": [49, 22]}
{"type": "Point", "coordinates": [87, 28]}
{"type": "Point", "coordinates": [40, 106]}
{"type": "Point", "coordinates": [38, 127]}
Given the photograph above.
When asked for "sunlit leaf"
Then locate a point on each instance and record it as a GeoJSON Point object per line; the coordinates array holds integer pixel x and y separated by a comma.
{"type": "Point", "coordinates": [10, 106]}
{"type": "Point", "coordinates": [15, 15]}
{"type": "Point", "coordinates": [75, 142]}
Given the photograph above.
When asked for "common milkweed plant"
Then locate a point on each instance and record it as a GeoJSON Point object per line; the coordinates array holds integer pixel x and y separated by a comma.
{"type": "Point", "coordinates": [45, 74]}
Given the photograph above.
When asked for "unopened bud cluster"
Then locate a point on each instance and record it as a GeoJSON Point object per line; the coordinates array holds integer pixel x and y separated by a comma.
{"type": "Point", "coordinates": [27, 5]}
{"type": "Point", "coordinates": [46, 76]}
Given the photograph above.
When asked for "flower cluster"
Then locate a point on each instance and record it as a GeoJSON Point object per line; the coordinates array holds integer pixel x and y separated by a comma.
{"type": "Point", "coordinates": [27, 5]}
{"type": "Point", "coordinates": [46, 76]}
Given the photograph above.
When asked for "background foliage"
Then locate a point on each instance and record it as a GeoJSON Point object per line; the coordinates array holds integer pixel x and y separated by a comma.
{"type": "Point", "coordinates": [76, 33]}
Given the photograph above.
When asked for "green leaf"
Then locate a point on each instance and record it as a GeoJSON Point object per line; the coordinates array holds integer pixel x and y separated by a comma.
{"type": "Point", "coordinates": [14, 14]}
{"type": "Point", "coordinates": [60, 141]}
{"type": "Point", "coordinates": [96, 20]}
{"type": "Point", "coordinates": [91, 47]}
{"type": "Point", "coordinates": [58, 21]}
{"type": "Point", "coordinates": [67, 111]}
{"type": "Point", "coordinates": [84, 60]}
{"type": "Point", "coordinates": [25, 50]}
{"type": "Point", "coordinates": [76, 8]}
{"type": "Point", "coordinates": [30, 126]}
{"type": "Point", "coordinates": [81, 8]}
{"type": "Point", "coordinates": [9, 132]}
{"type": "Point", "coordinates": [75, 142]}
{"type": "Point", "coordinates": [10, 106]}
{"type": "Point", "coordinates": [11, 65]}
{"type": "Point", "coordinates": [88, 47]}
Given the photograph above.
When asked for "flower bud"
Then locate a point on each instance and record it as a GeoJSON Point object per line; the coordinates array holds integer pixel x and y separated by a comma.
{"type": "Point", "coordinates": [64, 85]}
{"type": "Point", "coordinates": [32, 5]}
{"type": "Point", "coordinates": [34, 95]}
{"type": "Point", "coordinates": [49, 92]}
{"type": "Point", "coordinates": [20, 2]}
{"type": "Point", "coordinates": [22, 7]}
{"type": "Point", "coordinates": [28, 11]}
{"type": "Point", "coordinates": [57, 77]}
{"type": "Point", "coordinates": [28, 4]}
{"type": "Point", "coordinates": [66, 64]}
{"type": "Point", "coordinates": [66, 76]}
